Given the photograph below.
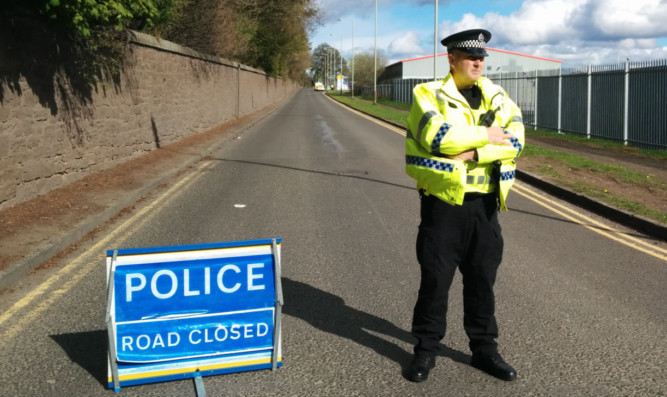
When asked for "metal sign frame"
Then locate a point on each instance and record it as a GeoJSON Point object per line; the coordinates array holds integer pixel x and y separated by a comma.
{"type": "Point", "coordinates": [126, 370]}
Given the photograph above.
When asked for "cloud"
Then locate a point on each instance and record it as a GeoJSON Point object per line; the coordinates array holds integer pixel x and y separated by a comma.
{"type": "Point", "coordinates": [633, 19]}
{"type": "Point", "coordinates": [575, 31]}
{"type": "Point", "coordinates": [406, 45]}
{"type": "Point", "coordinates": [334, 9]}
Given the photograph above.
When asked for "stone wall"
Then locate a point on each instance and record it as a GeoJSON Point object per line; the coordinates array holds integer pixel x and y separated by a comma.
{"type": "Point", "coordinates": [165, 93]}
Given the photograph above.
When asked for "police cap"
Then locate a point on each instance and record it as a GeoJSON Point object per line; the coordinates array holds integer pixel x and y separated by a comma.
{"type": "Point", "coordinates": [471, 41]}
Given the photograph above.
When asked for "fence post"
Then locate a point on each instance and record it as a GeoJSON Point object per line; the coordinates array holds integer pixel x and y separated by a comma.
{"type": "Point", "coordinates": [589, 101]}
{"type": "Point", "coordinates": [535, 114]}
{"type": "Point", "coordinates": [405, 98]}
{"type": "Point", "coordinates": [626, 95]}
{"type": "Point", "coordinates": [560, 98]}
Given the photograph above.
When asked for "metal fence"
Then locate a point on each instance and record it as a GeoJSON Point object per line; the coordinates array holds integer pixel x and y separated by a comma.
{"type": "Point", "coordinates": [624, 102]}
{"type": "Point", "coordinates": [383, 91]}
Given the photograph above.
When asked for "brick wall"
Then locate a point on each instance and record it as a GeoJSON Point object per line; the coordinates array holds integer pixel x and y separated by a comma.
{"type": "Point", "coordinates": [165, 93]}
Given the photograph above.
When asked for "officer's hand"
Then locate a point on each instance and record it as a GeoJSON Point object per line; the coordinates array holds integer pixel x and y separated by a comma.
{"type": "Point", "coordinates": [498, 137]}
{"type": "Point", "coordinates": [464, 156]}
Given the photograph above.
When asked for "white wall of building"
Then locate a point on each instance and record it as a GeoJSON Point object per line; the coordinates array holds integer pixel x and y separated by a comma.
{"type": "Point", "coordinates": [498, 61]}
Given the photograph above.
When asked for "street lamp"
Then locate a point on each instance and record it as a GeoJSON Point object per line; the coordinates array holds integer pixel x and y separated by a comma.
{"type": "Point", "coordinates": [352, 80]}
{"type": "Point", "coordinates": [435, 43]}
{"type": "Point", "coordinates": [329, 64]}
{"type": "Point", "coordinates": [375, 45]}
{"type": "Point", "coordinates": [332, 59]}
{"type": "Point", "coordinates": [342, 78]}
{"type": "Point", "coordinates": [340, 55]}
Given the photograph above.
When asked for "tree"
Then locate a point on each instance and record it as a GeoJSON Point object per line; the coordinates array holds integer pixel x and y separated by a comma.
{"type": "Point", "coordinates": [78, 40]}
{"type": "Point", "coordinates": [326, 63]}
{"type": "Point", "coordinates": [84, 17]}
{"type": "Point", "coordinates": [364, 64]}
{"type": "Point", "coordinates": [271, 35]}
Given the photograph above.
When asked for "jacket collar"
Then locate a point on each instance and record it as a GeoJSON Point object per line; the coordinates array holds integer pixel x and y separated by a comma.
{"type": "Point", "coordinates": [489, 90]}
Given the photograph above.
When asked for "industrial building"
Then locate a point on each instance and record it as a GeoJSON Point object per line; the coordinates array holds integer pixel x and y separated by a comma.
{"type": "Point", "coordinates": [498, 61]}
{"type": "Point", "coordinates": [515, 72]}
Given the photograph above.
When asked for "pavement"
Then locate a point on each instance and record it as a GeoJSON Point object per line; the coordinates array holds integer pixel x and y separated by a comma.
{"type": "Point", "coordinates": [31, 239]}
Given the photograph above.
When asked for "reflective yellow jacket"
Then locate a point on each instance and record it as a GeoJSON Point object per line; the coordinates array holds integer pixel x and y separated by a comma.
{"type": "Point", "coordinates": [441, 123]}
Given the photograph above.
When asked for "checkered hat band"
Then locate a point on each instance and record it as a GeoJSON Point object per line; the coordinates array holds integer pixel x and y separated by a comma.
{"type": "Point", "coordinates": [467, 44]}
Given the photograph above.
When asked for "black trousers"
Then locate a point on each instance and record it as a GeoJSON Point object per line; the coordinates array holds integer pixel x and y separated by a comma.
{"type": "Point", "coordinates": [467, 237]}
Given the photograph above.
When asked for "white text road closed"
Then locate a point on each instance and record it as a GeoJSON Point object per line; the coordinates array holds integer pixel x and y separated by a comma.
{"type": "Point", "coordinates": [162, 340]}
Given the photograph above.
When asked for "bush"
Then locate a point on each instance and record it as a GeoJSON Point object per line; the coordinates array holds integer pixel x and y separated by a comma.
{"type": "Point", "coordinates": [84, 16]}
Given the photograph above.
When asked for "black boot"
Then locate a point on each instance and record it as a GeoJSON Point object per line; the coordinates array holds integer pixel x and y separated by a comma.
{"type": "Point", "coordinates": [419, 368]}
{"type": "Point", "coordinates": [493, 364]}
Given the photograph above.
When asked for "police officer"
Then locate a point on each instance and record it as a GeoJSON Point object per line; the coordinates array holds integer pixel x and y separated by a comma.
{"type": "Point", "coordinates": [464, 135]}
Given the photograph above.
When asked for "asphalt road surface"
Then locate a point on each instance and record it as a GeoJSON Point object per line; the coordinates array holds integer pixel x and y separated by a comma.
{"type": "Point", "coordinates": [580, 301]}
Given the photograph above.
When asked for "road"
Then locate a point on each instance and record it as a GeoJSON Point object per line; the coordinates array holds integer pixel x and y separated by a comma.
{"type": "Point", "coordinates": [580, 301]}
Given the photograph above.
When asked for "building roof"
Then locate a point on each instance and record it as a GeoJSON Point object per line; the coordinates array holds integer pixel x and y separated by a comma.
{"type": "Point", "coordinates": [488, 48]}
{"type": "Point", "coordinates": [506, 61]}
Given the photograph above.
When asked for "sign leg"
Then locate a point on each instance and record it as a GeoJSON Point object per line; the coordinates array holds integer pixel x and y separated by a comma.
{"type": "Point", "coordinates": [113, 359]}
{"type": "Point", "coordinates": [278, 305]}
{"type": "Point", "coordinates": [199, 385]}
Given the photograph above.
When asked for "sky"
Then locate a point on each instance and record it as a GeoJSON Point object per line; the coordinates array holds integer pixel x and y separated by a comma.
{"type": "Point", "coordinates": [576, 32]}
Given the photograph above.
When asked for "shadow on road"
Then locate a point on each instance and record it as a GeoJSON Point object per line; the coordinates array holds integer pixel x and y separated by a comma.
{"type": "Point", "coordinates": [87, 349]}
{"type": "Point", "coordinates": [329, 313]}
{"type": "Point", "coordinates": [322, 310]}
{"type": "Point", "coordinates": [355, 174]}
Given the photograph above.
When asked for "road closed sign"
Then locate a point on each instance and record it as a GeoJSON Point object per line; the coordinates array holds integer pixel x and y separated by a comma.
{"type": "Point", "coordinates": [192, 311]}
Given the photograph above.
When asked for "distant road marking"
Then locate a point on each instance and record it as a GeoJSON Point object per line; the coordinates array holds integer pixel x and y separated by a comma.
{"type": "Point", "coordinates": [117, 236]}
{"type": "Point", "coordinates": [371, 118]}
{"type": "Point", "coordinates": [599, 228]}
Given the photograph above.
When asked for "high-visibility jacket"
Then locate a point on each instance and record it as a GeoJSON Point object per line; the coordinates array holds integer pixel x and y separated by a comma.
{"type": "Point", "coordinates": [442, 123]}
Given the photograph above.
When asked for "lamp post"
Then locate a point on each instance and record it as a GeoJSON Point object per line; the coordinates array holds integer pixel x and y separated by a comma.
{"type": "Point", "coordinates": [340, 55]}
{"type": "Point", "coordinates": [352, 79]}
{"type": "Point", "coordinates": [375, 65]}
{"type": "Point", "coordinates": [329, 67]}
{"type": "Point", "coordinates": [435, 43]}
{"type": "Point", "coordinates": [352, 82]}
{"type": "Point", "coordinates": [342, 76]}
{"type": "Point", "coordinates": [324, 76]}
{"type": "Point", "coordinates": [332, 66]}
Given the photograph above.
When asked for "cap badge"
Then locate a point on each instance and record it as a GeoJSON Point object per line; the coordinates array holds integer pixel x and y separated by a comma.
{"type": "Point", "coordinates": [481, 37]}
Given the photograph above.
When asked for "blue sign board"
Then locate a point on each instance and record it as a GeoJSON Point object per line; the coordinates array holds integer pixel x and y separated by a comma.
{"type": "Point", "coordinates": [179, 312]}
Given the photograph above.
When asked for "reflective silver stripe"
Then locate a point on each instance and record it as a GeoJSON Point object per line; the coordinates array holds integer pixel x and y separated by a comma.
{"type": "Point", "coordinates": [481, 180]}
{"type": "Point", "coordinates": [424, 120]}
{"type": "Point", "coordinates": [516, 119]}
{"type": "Point", "coordinates": [440, 96]}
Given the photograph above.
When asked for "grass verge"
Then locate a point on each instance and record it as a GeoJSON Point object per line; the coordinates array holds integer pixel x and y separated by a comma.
{"type": "Point", "coordinates": [397, 113]}
{"type": "Point", "coordinates": [381, 110]}
{"type": "Point", "coordinates": [601, 143]}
